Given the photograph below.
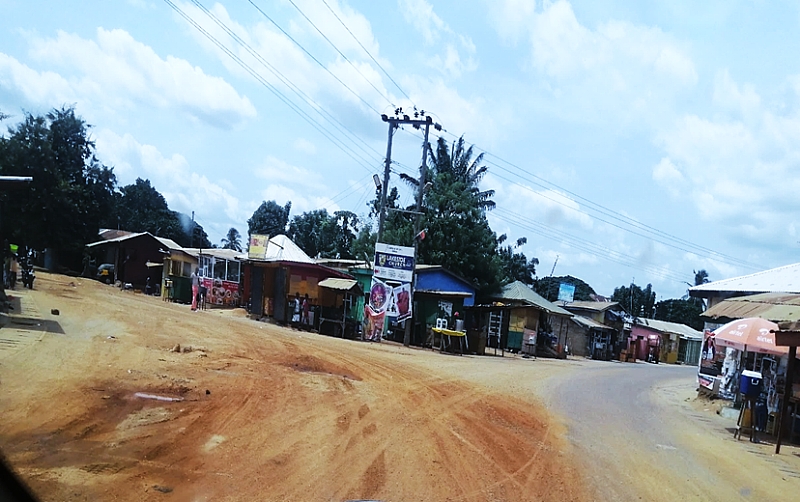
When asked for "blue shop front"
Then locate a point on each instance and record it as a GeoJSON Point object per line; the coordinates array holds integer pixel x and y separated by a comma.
{"type": "Point", "coordinates": [439, 294]}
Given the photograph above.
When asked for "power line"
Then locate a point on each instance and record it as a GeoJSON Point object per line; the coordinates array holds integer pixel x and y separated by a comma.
{"type": "Point", "coordinates": [354, 93]}
{"type": "Point", "coordinates": [369, 54]}
{"type": "Point", "coordinates": [655, 234]}
{"type": "Point", "coordinates": [341, 53]}
{"type": "Point", "coordinates": [286, 81]}
{"type": "Point", "coordinates": [583, 244]}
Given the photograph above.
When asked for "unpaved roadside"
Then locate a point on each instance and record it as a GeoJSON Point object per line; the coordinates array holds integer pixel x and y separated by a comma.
{"type": "Point", "coordinates": [264, 413]}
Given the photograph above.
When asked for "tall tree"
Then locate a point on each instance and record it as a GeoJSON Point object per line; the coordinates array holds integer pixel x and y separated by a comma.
{"type": "Point", "coordinates": [321, 234]}
{"type": "Point", "coordinates": [515, 266]}
{"type": "Point", "coordinates": [548, 287]}
{"type": "Point", "coordinates": [459, 236]}
{"type": "Point", "coordinates": [636, 301]}
{"type": "Point", "coordinates": [139, 207]}
{"type": "Point", "coordinates": [700, 277]}
{"type": "Point", "coordinates": [71, 189]}
{"type": "Point", "coordinates": [682, 311]}
{"type": "Point", "coordinates": [269, 219]}
{"type": "Point", "coordinates": [233, 240]}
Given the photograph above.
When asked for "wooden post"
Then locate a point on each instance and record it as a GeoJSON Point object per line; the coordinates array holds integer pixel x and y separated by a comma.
{"type": "Point", "coordinates": [787, 393]}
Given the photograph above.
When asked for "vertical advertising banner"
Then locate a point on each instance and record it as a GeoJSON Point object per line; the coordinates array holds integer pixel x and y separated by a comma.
{"type": "Point", "coordinates": [390, 293]}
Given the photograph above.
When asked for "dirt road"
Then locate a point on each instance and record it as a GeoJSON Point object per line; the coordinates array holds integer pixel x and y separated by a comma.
{"type": "Point", "coordinates": [258, 412]}
{"type": "Point", "coordinates": [643, 434]}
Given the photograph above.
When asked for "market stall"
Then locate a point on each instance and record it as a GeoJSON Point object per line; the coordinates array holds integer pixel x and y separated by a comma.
{"type": "Point", "coordinates": [336, 313]}
{"type": "Point", "coordinates": [745, 345]}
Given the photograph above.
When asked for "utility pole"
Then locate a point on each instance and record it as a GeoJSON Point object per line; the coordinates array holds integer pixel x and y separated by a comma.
{"type": "Point", "coordinates": [420, 119]}
{"type": "Point", "coordinates": [385, 190]}
{"type": "Point", "coordinates": [394, 123]}
{"type": "Point", "coordinates": [423, 169]}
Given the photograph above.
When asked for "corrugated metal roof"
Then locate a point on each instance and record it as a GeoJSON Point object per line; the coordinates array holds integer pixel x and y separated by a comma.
{"type": "Point", "coordinates": [117, 239]}
{"type": "Point", "coordinates": [169, 243]}
{"type": "Point", "coordinates": [682, 330]}
{"type": "Point", "coordinates": [281, 248]}
{"type": "Point", "coordinates": [775, 307]}
{"type": "Point", "coordinates": [519, 291]}
{"type": "Point", "coordinates": [339, 284]}
{"type": "Point", "coordinates": [227, 254]}
{"type": "Point", "coordinates": [437, 292]}
{"type": "Point", "coordinates": [590, 323]}
{"type": "Point", "coordinates": [593, 306]}
{"type": "Point", "coordinates": [784, 279]}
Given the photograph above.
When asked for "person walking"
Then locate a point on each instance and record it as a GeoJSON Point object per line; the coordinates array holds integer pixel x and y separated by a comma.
{"type": "Point", "coordinates": [195, 287]}
{"type": "Point", "coordinates": [306, 308]}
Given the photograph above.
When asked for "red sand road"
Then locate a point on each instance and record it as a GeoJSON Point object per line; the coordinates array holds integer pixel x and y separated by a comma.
{"type": "Point", "coordinates": [266, 413]}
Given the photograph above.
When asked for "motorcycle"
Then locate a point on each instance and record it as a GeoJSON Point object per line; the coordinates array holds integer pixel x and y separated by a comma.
{"type": "Point", "coordinates": [28, 275]}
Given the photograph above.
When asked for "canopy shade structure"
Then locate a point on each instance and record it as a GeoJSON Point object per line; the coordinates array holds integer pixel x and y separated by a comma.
{"type": "Point", "coordinates": [752, 334]}
{"type": "Point", "coordinates": [340, 284]}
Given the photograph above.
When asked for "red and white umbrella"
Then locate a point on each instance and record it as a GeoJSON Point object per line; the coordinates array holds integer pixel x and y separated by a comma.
{"type": "Point", "coordinates": [752, 335]}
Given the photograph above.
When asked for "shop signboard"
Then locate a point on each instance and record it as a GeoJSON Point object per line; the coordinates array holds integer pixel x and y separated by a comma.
{"type": "Point", "coordinates": [220, 292]}
{"type": "Point", "coordinates": [390, 292]}
{"type": "Point", "coordinates": [258, 247]}
{"type": "Point", "coordinates": [566, 292]}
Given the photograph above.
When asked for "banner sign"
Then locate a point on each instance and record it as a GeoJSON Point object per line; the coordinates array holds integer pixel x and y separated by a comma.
{"type": "Point", "coordinates": [393, 264]}
{"type": "Point", "coordinates": [219, 292]}
{"type": "Point", "coordinates": [258, 247]}
{"type": "Point", "coordinates": [566, 292]}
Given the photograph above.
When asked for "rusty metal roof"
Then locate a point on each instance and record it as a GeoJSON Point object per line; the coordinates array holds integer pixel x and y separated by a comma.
{"type": "Point", "coordinates": [775, 307]}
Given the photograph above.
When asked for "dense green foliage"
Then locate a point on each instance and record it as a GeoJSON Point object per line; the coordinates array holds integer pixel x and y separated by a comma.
{"type": "Point", "coordinates": [683, 311]}
{"type": "Point", "coordinates": [547, 287]}
{"type": "Point", "coordinates": [139, 207]}
{"type": "Point", "coordinates": [636, 301]}
{"type": "Point", "coordinates": [269, 219]}
{"type": "Point", "coordinates": [323, 235]}
{"type": "Point", "coordinates": [71, 190]}
{"type": "Point", "coordinates": [73, 194]}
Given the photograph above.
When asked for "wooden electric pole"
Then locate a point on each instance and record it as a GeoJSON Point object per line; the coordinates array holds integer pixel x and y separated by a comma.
{"type": "Point", "coordinates": [420, 119]}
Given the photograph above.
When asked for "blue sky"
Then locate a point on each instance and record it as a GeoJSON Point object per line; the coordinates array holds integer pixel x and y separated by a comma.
{"type": "Point", "coordinates": [628, 140]}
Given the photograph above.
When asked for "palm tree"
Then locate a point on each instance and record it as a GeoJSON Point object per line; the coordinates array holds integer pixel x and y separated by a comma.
{"type": "Point", "coordinates": [232, 240]}
{"type": "Point", "coordinates": [456, 165]}
{"type": "Point", "coordinates": [700, 277]}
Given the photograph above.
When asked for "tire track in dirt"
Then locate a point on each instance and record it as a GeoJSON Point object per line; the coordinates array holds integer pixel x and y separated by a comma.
{"type": "Point", "coordinates": [435, 402]}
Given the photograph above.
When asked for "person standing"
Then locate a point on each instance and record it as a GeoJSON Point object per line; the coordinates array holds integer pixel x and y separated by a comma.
{"type": "Point", "coordinates": [306, 308]}
{"type": "Point", "coordinates": [296, 310]}
{"type": "Point", "coordinates": [195, 287]}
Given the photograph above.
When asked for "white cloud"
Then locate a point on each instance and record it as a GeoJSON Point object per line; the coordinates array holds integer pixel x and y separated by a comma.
{"type": "Point", "coordinates": [305, 146]}
{"type": "Point", "coordinates": [275, 170]}
{"type": "Point", "coordinates": [116, 64]}
{"type": "Point", "coordinates": [184, 189]}
{"type": "Point", "coordinates": [302, 201]}
{"type": "Point", "coordinates": [668, 175]}
{"type": "Point", "coordinates": [451, 62]}
{"type": "Point", "coordinates": [44, 87]}
{"type": "Point", "coordinates": [740, 172]}
{"type": "Point", "coordinates": [615, 70]}
{"type": "Point", "coordinates": [743, 101]}
{"type": "Point", "coordinates": [419, 14]}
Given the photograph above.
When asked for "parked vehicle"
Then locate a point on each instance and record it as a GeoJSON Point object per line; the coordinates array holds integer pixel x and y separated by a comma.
{"type": "Point", "coordinates": [105, 273]}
